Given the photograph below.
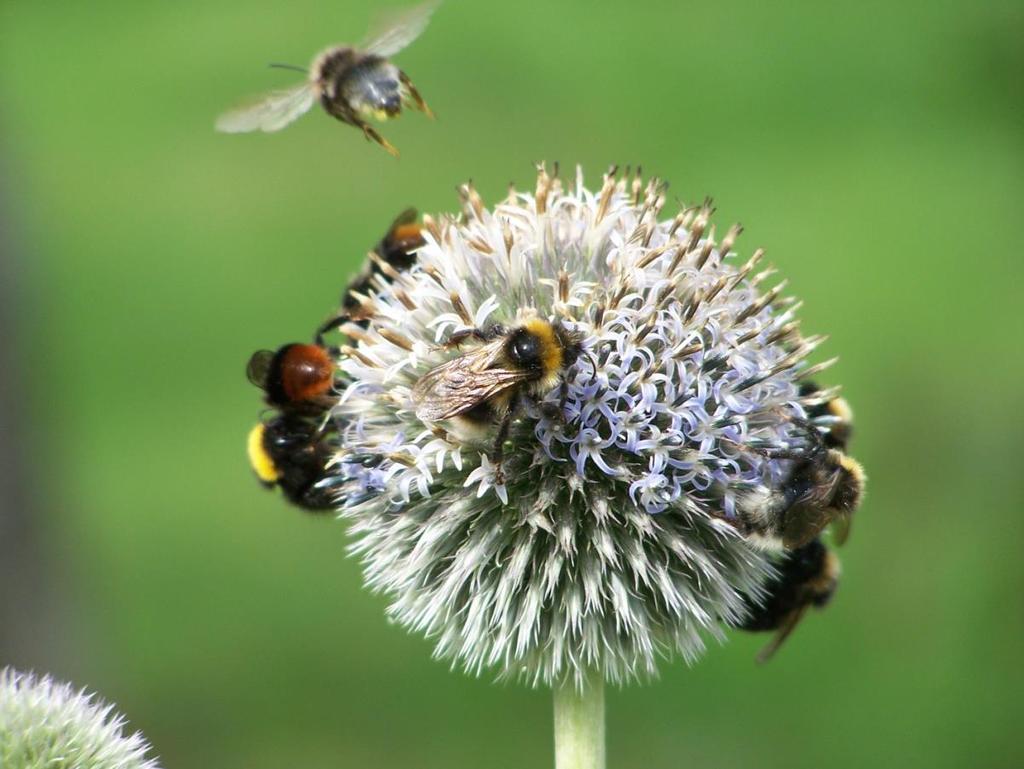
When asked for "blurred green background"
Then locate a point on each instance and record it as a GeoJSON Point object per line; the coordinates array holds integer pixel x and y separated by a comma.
{"type": "Point", "coordinates": [875, 149]}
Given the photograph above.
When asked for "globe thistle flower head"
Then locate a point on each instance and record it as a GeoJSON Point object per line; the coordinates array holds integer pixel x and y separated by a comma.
{"type": "Point", "coordinates": [45, 725]}
{"type": "Point", "coordinates": [611, 533]}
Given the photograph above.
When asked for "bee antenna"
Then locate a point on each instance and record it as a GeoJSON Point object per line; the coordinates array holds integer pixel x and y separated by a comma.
{"type": "Point", "coordinates": [277, 65]}
{"type": "Point", "coordinates": [593, 364]}
{"type": "Point", "coordinates": [813, 433]}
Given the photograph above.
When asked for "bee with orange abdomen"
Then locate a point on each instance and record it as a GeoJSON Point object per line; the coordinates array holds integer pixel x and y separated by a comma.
{"type": "Point", "coordinates": [294, 376]}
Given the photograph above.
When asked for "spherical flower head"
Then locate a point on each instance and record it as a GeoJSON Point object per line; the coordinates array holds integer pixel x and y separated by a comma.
{"type": "Point", "coordinates": [609, 535]}
{"type": "Point", "coordinates": [49, 725]}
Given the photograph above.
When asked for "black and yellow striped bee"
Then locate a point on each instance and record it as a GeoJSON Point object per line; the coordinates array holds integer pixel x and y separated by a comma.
{"type": "Point", "coordinates": [831, 414]}
{"type": "Point", "coordinates": [483, 387]}
{"type": "Point", "coordinates": [824, 485]}
{"type": "Point", "coordinates": [291, 451]}
{"type": "Point", "coordinates": [807, 577]}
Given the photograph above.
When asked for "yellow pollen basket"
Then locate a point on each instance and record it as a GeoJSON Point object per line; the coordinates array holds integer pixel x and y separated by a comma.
{"type": "Point", "coordinates": [366, 112]}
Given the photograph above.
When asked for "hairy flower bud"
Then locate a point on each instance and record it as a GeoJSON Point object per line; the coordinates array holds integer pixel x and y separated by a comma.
{"type": "Point", "coordinates": [612, 533]}
{"type": "Point", "coordinates": [45, 724]}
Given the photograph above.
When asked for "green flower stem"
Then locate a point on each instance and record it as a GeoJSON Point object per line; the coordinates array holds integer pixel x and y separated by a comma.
{"type": "Point", "coordinates": [579, 724]}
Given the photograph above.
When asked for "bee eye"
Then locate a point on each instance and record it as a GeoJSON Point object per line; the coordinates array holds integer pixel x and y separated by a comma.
{"type": "Point", "coordinates": [524, 348]}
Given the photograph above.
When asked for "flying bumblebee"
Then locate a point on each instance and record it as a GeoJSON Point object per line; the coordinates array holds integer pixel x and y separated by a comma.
{"type": "Point", "coordinates": [807, 576]}
{"type": "Point", "coordinates": [353, 84]}
{"type": "Point", "coordinates": [824, 486]}
{"type": "Point", "coordinates": [291, 451]}
{"type": "Point", "coordinates": [483, 387]}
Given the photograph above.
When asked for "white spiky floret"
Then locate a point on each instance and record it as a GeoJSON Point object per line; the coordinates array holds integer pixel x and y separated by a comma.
{"type": "Point", "coordinates": [614, 538]}
{"type": "Point", "coordinates": [48, 725]}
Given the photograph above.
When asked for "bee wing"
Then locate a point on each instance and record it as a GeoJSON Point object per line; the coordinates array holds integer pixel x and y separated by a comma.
{"type": "Point", "coordinates": [455, 387]}
{"type": "Point", "coordinates": [403, 236]}
{"type": "Point", "coordinates": [272, 112]}
{"type": "Point", "coordinates": [259, 366]}
{"type": "Point", "coordinates": [408, 216]}
{"type": "Point", "coordinates": [396, 30]}
{"type": "Point", "coordinates": [841, 529]}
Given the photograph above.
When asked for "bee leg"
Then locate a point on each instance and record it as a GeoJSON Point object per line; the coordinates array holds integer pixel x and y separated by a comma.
{"type": "Point", "coordinates": [498, 452]}
{"type": "Point", "coordinates": [593, 363]}
{"type": "Point", "coordinates": [563, 397]}
{"type": "Point", "coordinates": [326, 327]}
{"type": "Point", "coordinates": [787, 626]}
{"type": "Point", "coordinates": [741, 526]}
{"type": "Point", "coordinates": [458, 337]}
{"type": "Point", "coordinates": [553, 412]}
{"type": "Point", "coordinates": [794, 454]}
{"type": "Point", "coordinates": [416, 98]}
{"type": "Point", "coordinates": [371, 135]}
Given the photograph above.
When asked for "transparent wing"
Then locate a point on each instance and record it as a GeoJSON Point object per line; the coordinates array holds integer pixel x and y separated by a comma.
{"type": "Point", "coordinates": [841, 529]}
{"type": "Point", "coordinates": [272, 112]}
{"type": "Point", "coordinates": [259, 367]}
{"type": "Point", "coordinates": [396, 30]}
{"type": "Point", "coordinates": [461, 384]}
{"type": "Point", "coordinates": [408, 216]}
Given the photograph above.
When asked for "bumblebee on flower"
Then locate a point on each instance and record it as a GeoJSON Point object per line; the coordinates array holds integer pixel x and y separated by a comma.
{"type": "Point", "coordinates": [623, 402]}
